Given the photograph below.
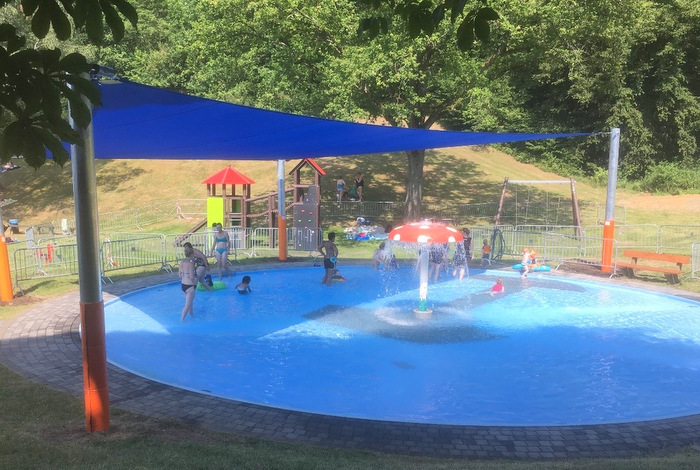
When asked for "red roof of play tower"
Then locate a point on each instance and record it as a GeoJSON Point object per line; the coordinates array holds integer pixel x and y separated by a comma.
{"type": "Point", "coordinates": [228, 176]}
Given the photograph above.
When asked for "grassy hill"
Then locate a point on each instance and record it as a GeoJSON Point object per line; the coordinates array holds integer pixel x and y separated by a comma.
{"type": "Point", "coordinates": [455, 175]}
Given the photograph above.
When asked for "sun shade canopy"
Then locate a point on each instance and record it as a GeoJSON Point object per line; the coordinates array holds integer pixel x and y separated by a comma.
{"type": "Point", "coordinates": [425, 232]}
{"type": "Point", "coordinates": [142, 122]}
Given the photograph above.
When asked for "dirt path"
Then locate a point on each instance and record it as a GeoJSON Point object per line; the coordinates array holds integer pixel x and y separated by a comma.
{"type": "Point", "coordinates": [689, 203]}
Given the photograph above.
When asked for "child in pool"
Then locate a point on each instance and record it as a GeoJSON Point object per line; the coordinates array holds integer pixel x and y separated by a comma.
{"type": "Point", "coordinates": [498, 288]}
{"type": "Point", "coordinates": [486, 253]}
{"type": "Point", "coordinates": [525, 263]}
{"type": "Point", "coordinates": [244, 287]}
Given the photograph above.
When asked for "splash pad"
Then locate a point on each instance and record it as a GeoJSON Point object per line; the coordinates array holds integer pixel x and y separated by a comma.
{"type": "Point", "coordinates": [551, 351]}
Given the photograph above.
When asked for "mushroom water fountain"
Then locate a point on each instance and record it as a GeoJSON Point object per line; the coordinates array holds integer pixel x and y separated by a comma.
{"type": "Point", "coordinates": [424, 234]}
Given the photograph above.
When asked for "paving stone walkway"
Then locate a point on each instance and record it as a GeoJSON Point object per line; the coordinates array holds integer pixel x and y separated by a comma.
{"type": "Point", "coordinates": [43, 345]}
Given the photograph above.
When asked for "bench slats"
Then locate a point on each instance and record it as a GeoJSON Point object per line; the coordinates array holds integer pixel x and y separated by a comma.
{"type": "Point", "coordinates": [657, 256]}
{"type": "Point", "coordinates": [671, 274]}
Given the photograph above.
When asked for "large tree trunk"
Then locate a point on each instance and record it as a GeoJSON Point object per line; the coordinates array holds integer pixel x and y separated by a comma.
{"type": "Point", "coordinates": [414, 184]}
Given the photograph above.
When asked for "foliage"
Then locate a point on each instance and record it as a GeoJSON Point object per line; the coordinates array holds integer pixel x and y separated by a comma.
{"type": "Point", "coordinates": [594, 65]}
{"type": "Point", "coordinates": [34, 81]}
{"type": "Point", "coordinates": [424, 18]}
{"type": "Point", "coordinates": [670, 178]}
{"type": "Point", "coordinates": [305, 57]}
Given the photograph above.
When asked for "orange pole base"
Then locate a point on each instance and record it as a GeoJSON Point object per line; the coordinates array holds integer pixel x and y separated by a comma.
{"type": "Point", "coordinates": [92, 321]}
{"type": "Point", "coordinates": [6, 293]}
{"type": "Point", "coordinates": [282, 228]}
{"type": "Point", "coordinates": [608, 239]}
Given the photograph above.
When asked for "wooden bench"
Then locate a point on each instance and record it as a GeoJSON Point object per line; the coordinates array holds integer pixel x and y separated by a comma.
{"type": "Point", "coordinates": [670, 273]}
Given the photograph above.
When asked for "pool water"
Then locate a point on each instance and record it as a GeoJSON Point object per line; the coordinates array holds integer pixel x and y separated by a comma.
{"type": "Point", "coordinates": [550, 351]}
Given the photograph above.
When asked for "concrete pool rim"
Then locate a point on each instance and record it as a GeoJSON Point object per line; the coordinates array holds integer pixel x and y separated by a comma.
{"type": "Point", "coordinates": [43, 345]}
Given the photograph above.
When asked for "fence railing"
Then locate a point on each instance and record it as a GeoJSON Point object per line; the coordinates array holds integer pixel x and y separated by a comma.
{"type": "Point", "coordinates": [133, 250]}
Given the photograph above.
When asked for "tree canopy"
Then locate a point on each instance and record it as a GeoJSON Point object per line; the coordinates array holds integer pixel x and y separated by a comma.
{"type": "Point", "coordinates": [547, 67]}
{"type": "Point", "coordinates": [34, 79]}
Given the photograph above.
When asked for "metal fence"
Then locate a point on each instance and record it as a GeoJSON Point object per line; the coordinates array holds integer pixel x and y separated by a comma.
{"type": "Point", "coordinates": [642, 236]}
{"type": "Point", "coordinates": [555, 245]}
{"type": "Point", "coordinates": [553, 213]}
{"type": "Point", "coordinates": [133, 250]}
{"type": "Point", "coordinates": [569, 249]}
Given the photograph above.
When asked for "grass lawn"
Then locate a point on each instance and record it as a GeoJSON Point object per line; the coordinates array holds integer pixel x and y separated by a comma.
{"type": "Point", "coordinates": [44, 429]}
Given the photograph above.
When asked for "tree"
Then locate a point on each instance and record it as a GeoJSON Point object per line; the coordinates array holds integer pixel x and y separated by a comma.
{"type": "Point", "coordinates": [593, 65]}
{"type": "Point", "coordinates": [35, 81]}
{"type": "Point", "coordinates": [306, 56]}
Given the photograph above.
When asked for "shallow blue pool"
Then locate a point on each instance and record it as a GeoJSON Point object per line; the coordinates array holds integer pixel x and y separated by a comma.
{"type": "Point", "coordinates": [550, 351]}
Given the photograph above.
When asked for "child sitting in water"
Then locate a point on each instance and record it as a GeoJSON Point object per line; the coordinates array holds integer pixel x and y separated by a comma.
{"type": "Point", "coordinates": [498, 288]}
{"type": "Point", "coordinates": [244, 287]}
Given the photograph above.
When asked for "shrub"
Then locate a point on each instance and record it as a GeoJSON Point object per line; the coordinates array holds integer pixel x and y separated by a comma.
{"type": "Point", "coordinates": [670, 178]}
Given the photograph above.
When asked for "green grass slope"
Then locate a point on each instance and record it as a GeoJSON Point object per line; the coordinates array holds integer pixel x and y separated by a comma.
{"type": "Point", "coordinates": [457, 175]}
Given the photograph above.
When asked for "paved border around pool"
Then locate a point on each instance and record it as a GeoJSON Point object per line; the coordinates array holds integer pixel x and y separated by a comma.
{"type": "Point", "coordinates": [43, 344]}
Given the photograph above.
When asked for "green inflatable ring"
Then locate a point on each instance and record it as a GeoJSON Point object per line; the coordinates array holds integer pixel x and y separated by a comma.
{"type": "Point", "coordinates": [217, 285]}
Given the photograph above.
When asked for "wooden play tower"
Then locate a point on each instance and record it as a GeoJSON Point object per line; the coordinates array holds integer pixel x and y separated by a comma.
{"type": "Point", "coordinates": [229, 198]}
{"type": "Point", "coordinates": [229, 206]}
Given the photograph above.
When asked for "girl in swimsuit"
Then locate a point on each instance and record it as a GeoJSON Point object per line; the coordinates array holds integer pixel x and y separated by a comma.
{"type": "Point", "coordinates": [244, 287]}
{"type": "Point", "coordinates": [220, 250]}
{"type": "Point", "coordinates": [188, 280]}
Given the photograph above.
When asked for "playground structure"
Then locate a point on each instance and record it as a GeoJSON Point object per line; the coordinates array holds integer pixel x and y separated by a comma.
{"type": "Point", "coordinates": [521, 209]}
{"type": "Point", "coordinates": [229, 201]}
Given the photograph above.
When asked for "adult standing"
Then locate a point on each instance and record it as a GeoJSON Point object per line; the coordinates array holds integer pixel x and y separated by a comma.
{"type": "Point", "coordinates": [340, 188]}
{"type": "Point", "coordinates": [220, 250]}
{"type": "Point", "coordinates": [188, 281]}
{"type": "Point", "coordinates": [329, 250]}
{"type": "Point", "coordinates": [201, 265]}
{"type": "Point", "coordinates": [460, 260]}
{"type": "Point", "coordinates": [438, 259]}
{"type": "Point", "coordinates": [359, 184]}
{"type": "Point", "coordinates": [468, 244]}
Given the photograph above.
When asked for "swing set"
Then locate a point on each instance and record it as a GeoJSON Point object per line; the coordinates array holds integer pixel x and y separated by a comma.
{"type": "Point", "coordinates": [528, 205]}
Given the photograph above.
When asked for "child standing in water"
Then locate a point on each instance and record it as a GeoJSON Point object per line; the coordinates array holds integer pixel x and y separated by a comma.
{"type": "Point", "coordinates": [329, 250]}
{"type": "Point", "coordinates": [525, 263]}
{"type": "Point", "coordinates": [486, 253]}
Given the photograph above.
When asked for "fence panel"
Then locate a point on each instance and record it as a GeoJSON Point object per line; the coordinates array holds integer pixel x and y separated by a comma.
{"type": "Point", "coordinates": [570, 249]}
{"type": "Point", "coordinates": [373, 210]}
{"type": "Point", "coordinates": [517, 240]}
{"type": "Point", "coordinates": [563, 229]}
{"type": "Point", "coordinates": [643, 236]}
{"type": "Point", "coordinates": [132, 253]}
{"type": "Point", "coordinates": [677, 238]}
{"type": "Point", "coordinates": [695, 260]}
{"type": "Point", "coordinates": [264, 241]}
{"type": "Point", "coordinates": [172, 245]}
{"type": "Point", "coordinates": [38, 262]}
{"type": "Point", "coordinates": [191, 208]}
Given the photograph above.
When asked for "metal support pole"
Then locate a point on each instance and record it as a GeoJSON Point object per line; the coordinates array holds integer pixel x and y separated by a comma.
{"type": "Point", "coordinates": [91, 304]}
{"type": "Point", "coordinates": [609, 227]}
{"type": "Point", "coordinates": [281, 212]}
